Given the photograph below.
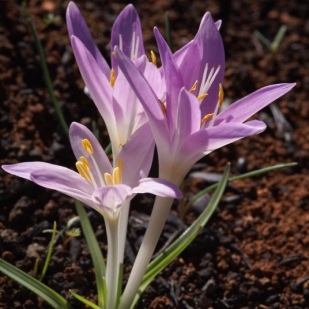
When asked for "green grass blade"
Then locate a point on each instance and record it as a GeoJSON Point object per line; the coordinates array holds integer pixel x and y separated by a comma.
{"type": "Point", "coordinates": [50, 251]}
{"type": "Point", "coordinates": [168, 31]}
{"type": "Point", "coordinates": [243, 176]}
{"type": "Point", "coordinates": [120, 282]}
{"type": "Point", "coordinates": [262, 38]}
{"type": "Point", "coordinates": [104, 290]}
{"type": "Point", "coordinates": [49, 295]}
{"type": "Point", "coordinates": [84, 300]}
{"type": "Point", "coordinates": [94, 249]}
{"type": "Point", "coordinates": [278, 39]}
{"type": "Point", "coordinates": [170, 253]}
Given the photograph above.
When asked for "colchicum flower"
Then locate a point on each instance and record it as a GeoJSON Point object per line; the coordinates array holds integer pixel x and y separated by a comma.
{"type": "Point", "coordinates": [98, 184]}
{"type": "Point", "coordinates": [109, 89]}
{"type": "Point", "coordinates": [187, 124]}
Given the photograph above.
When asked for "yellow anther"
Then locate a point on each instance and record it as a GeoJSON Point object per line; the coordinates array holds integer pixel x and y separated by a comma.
{"type": "Point", "coordinates": [153, 58]}
{"type": "Point", "coordinates": [85, 161]}
{"type": "Point", "coordinates": [108, 179]}
{"type": "Point", "coordinates": [206, 117]}
{"type": "Point", "coordinates": [83, 170]}
{"type": "Point", "coordinates": [220, 95]}
{"type": "Point", "coordinates": [114, 54]}
{"type": "Point", "coordinates": [116, 179]}
{"type": "Point", "coordinates": [87, 146]}
{"type": "Point", "coordinates": [112, 78]}
{"type": "Point", "coordinates": [116, 176]}
{"type": "Point", "coordinates": [202, 96]}
{"type": "Point", "coordinates": [193, 88]}
{"type": "Point", "coordinates": [162, 107]}
{"type": "Point", "coordinates": [119, 163]}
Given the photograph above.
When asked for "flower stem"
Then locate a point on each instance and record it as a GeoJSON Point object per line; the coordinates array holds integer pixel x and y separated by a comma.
{"type": "Point", "coordinates": [112, 266]}
{"type": "Point", "coordinates": [123, 227]}
{"type": "Point", "coordinates": [157, 220]}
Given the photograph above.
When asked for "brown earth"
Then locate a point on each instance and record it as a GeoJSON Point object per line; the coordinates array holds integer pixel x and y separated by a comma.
{"type": "Point", "coordinates": [254, 252]}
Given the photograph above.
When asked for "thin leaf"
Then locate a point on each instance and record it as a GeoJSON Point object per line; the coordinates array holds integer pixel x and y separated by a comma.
{"type": "Point", "coordinates": [262, 38]}
{"type": "Point", "coordinates": [120, 278]}
{"type": "Point", "coordinates": [170, 253]}
{"type": "Point", "coordinates": [94, 249]}
{"type": "Point", "coordinates": [84, 300]}
{"type": "Point", "coordinates": [49, 254]}
{"type": "Point", "coordinates": [49, 295]}
{"type": "Point", "coordinates": [278, 39]}
{"type": "Point", "coordinates": [243, 176]}
{"type": "Point", "coordinates": [104, 290]}
{"type": "Point", "coordinates": [168, 31]}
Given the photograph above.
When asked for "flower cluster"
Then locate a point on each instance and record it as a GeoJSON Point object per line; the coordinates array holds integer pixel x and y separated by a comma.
{"type": "Point", "coordinates": [175, 107]}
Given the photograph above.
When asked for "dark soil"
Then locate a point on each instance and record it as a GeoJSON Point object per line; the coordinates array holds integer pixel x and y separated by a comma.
{"type": "Point", "coordinates": [254, 252]}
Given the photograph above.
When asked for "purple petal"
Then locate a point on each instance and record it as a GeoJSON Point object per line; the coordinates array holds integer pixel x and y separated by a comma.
{"type": "Point", "coordinates": [137, 155]}
{"type": "Point", "coordinates": [189, 115]}
{"type": "Point", "coordinates": [98, 85]}
{"type": "Point", "coordinates": [205, 141]}
{"type": "Point", "coordinates": [173, 79]}
{"type": "Point", "coordinates": [252, 103]}
{"type": "Point", "coordinates": [112, 197]}
{"type": "Point", "coordinates": [206, 48]}
{"type": "Point", "coordinates": [77, 27]}
{"type": "Point", "coordinates": [24, 169]}
{"type": "Point", "coordinates": [218, 24]}
{"type": "Point", "coordinates": [54, 177]}
{"type": "Point", "coordinates": [147, 97]}
{"type": "Point", "coordinates": [128, 26]}
{"type": "Point", "coordinates": [180, 54]}
{"type": "Point", "coordinates": [127, 107]}
{"type": "Point", "coordinates": [157, 186]}
{"type": "Point", "coordinates": [78, 132]}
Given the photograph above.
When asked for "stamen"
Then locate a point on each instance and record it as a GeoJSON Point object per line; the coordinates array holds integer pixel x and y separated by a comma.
{"type": "Point", "coordinates": [153, 58]}
{"type": "Point", "coordinates": [133, 46]}
{"type": "Point", "coordinates": [116, 176]}
{"type": "Point", "coordinates": [202, 96]}
{"type": "Point", "coordinates": [204, 76]}
{"type": "Point", "coordinates": [85, 161]}
{"type": "Point", "coordinates": [114, 54]}
{"type": "Point", "coordinates": [206, 117]}
{"type": "Point", "coordinates": [163, 107]}
{"type": "Point", "coordinates": [207, 81]}
{"type": "Point", "coordinates": [108, 179]}
{"type": "Point", "coordinates": [87, 146]}
{"type": "Point", "coordinates": [120, 42]}
{"type": "Point", "coordinates": [193, 88]}
{"type": "Point", "coordinates": [118, 170]}
{"type": "Point", "coordinates": [136, 46]}
{"type": "Point", "coordinates": [112, 78]}
{"type": "Point", "coordinates": [83, 171]}
{"type": "Point", "coordinates": [220, 95]}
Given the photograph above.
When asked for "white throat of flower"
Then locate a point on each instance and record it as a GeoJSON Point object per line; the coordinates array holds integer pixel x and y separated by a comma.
{"type": "Point", "coordinates": [85, 169]}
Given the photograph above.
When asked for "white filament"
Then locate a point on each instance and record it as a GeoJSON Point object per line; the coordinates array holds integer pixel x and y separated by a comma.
{"type": "Point", "coordinates": [134, 46]}
{"type": "Point", "coordinates": [208, 80]}
{"type": "Point", "coordinates": [120, 43]}
{"type": "Point", "coordinates": [102, 183]}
